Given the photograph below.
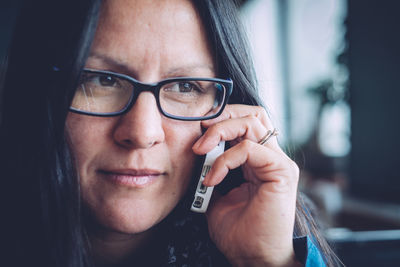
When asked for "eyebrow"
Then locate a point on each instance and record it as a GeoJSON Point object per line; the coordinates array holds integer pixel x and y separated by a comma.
{"type": "Point", "coordinates": [185, 70]}
{"type": "Point", "coordinates": [119, 65]}
{"type": "Point", "coordinates": [189, 69]}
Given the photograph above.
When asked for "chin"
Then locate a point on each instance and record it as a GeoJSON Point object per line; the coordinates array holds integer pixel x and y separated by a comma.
{"type": "Point", "coordinates": [132, 218]}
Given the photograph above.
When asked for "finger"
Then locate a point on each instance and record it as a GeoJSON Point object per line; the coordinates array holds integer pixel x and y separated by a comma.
{"type": "Point", "coordinates": [239, 111]}
{"type": "Point", "coordinates": [265, 164]}
{"type": "Point", "coordinates": [249, 127]}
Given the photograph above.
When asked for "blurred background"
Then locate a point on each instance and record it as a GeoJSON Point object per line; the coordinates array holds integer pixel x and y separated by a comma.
{"type": "Point", "coordinates": [328, 71]}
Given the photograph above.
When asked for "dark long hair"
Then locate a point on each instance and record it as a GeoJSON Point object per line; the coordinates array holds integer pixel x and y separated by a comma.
{"type": "Point", "coordinates": [42, 225]}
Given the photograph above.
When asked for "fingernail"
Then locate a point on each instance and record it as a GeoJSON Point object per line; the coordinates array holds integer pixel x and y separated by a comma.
{"type": "Point", "coordinates": [198, 144]}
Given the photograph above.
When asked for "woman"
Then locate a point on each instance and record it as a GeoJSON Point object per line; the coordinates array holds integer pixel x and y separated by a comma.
{"type": "Point", "coordinates": [102, 154]}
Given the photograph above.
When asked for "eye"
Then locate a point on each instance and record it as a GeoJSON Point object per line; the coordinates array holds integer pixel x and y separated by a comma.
{"type": "Point", "coordinates": [107, 80]}
{"type": "Point", "coordinates": [95, 80]}
{"type": "Point", "coordinates": [186, 87]}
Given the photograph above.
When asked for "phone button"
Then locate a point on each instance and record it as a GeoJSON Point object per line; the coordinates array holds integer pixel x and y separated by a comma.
{"type": "Point", "coordinates": [206, 169]}
{"type": "Point", "coordinates": [202, 188]}
{"type": "Point", "coordinates": [198, 202]}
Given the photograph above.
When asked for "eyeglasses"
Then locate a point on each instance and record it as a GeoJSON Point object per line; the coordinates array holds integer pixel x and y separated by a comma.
{"type": "Point", "coordinates": [105, 93]}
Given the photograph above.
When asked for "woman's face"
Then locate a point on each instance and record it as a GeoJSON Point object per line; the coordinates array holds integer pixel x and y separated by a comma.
{"type": "Point", "coordinates": [135, 168]}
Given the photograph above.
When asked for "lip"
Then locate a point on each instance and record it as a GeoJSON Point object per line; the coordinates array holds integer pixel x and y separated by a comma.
{"type": "Point", "coordinates": [132, 177]}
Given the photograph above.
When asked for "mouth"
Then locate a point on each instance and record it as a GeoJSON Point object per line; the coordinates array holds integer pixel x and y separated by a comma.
{"type": "Point", "coordinates": [131, 177]}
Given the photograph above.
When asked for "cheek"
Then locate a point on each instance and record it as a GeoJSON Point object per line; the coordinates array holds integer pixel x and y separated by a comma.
{"type": "Point", "coordinates": [180, 137]}
{"type": "Point", "coordinates": [83, 143]}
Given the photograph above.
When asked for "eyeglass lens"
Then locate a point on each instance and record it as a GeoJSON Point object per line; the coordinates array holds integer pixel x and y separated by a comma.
{"type": "Point", "coordinates": [107, 93]}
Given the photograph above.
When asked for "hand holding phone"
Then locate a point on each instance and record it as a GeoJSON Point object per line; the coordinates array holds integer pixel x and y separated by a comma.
{"type": "Point", "coordinates": [203, 193]}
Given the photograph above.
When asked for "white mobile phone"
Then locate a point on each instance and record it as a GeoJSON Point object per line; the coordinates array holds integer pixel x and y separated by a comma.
{"type": "Point", "coordinates": [203, 193]}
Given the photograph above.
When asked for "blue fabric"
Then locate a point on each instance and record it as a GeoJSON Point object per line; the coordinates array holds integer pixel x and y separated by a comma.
{"type": "Point", "coordinates": [307, 253]}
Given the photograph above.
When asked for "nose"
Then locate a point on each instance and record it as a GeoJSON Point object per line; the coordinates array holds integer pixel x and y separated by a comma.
{"type": "Point", "coordinates": [141, 127]}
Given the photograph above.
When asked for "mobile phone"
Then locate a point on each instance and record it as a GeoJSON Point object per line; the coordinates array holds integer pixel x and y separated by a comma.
{"type": "Point", "coordinates": [203, 193]}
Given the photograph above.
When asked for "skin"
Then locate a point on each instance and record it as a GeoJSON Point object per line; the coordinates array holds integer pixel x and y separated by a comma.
{"type": "Point", "coordinates": [253, 224]}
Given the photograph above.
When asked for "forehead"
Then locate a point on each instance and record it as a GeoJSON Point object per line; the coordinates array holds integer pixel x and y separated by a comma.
{"type": "Point", "coordinates": [161, 33]}
{"type": "Point", "coordinates": [147, 13]}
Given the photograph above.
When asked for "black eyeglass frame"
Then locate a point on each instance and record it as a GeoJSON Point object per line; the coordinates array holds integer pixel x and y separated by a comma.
{"type": "Point", "coordinates": [155, 89]}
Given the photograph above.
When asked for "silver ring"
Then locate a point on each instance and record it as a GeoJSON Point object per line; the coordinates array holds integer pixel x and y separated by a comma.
{"type": "Point", "coordinates": [268, 136]}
